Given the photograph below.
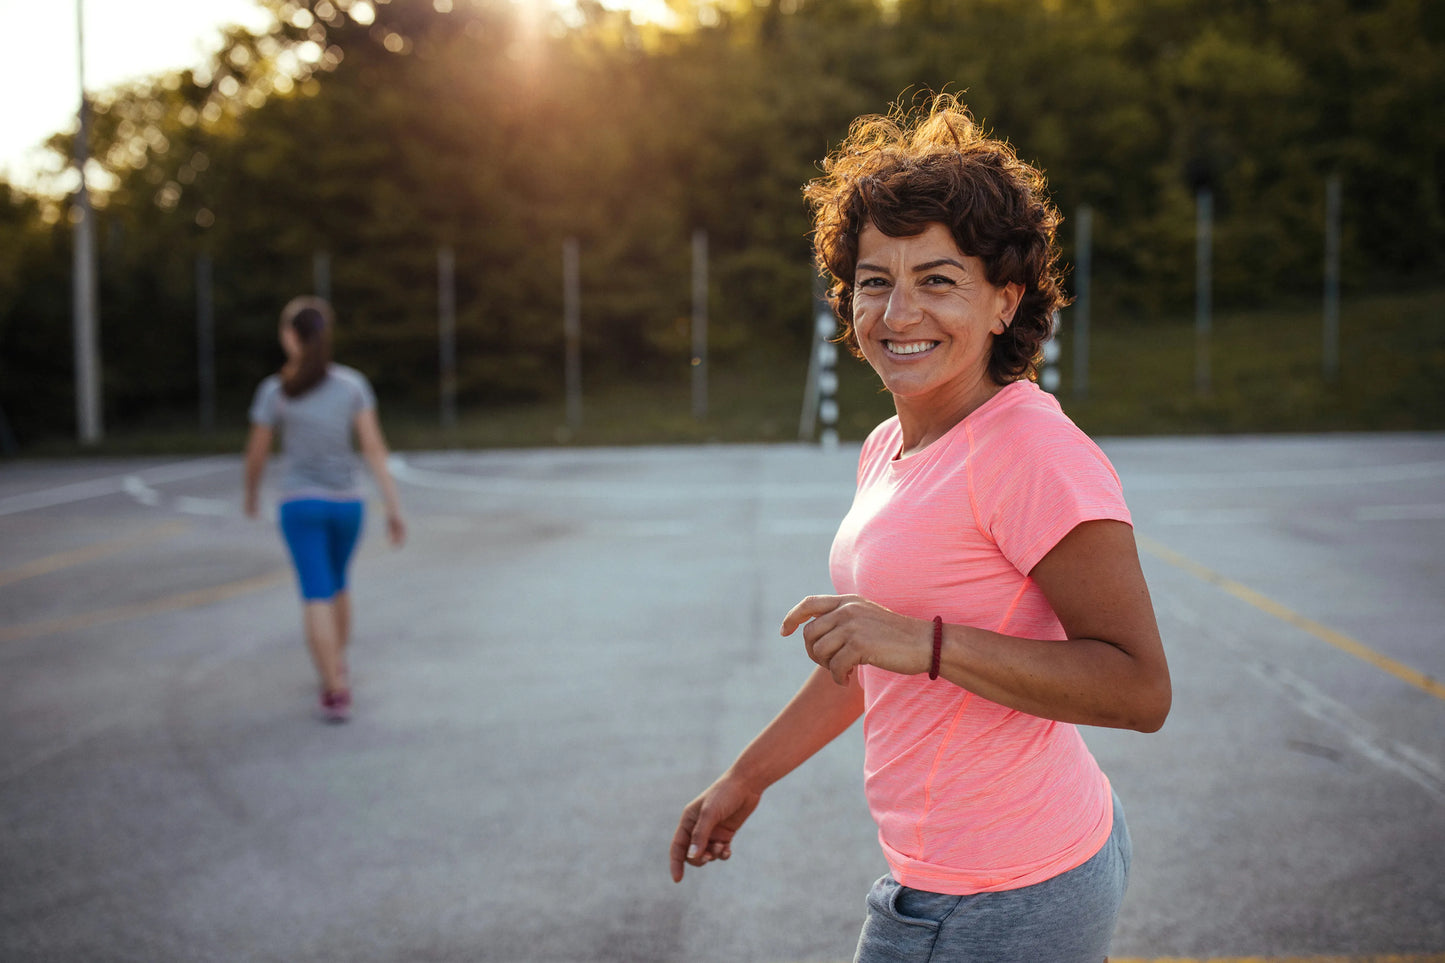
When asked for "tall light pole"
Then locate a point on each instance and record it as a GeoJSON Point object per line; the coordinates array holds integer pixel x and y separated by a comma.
{"type": "Point", "coordinates": [83, 276]}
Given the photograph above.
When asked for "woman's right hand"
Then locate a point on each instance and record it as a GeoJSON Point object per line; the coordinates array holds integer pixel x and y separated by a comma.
{"type": "Point", "coordinates": [705, 831]}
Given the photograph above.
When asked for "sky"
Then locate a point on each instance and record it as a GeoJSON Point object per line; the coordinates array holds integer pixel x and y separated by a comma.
{"type": "Point", "coordinates": [124, 40]}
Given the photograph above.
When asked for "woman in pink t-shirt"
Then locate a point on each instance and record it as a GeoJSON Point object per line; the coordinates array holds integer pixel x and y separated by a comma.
{"type": "Point", "coordinates": [989, 594]}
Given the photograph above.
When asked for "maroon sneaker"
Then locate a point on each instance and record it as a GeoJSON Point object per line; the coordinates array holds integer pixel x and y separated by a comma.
{"type": "Point", "coordinates": [336, 706]}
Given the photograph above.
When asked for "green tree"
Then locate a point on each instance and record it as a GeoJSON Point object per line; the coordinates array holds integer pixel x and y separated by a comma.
{"type": "Point", "coordinates": [378, 132]}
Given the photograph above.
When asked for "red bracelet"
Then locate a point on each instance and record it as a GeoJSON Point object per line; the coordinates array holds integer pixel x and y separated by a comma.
{"type": "Point", "coordinates": [937, 646]}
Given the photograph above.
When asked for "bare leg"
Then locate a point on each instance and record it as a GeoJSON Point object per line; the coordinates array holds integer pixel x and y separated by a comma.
{"type": "Point", "coordinates": [321, 639]}
{"type": "Point", "coordinates": [341, 617]}
{"type": "Point", "coordinates": [341, 605]}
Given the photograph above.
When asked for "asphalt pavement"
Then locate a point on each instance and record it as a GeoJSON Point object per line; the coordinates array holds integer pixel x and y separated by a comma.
{"type": "Point", "coordinates": [574, 642]}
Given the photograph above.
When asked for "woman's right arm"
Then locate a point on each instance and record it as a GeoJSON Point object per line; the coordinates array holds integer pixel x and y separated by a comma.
{"type": "Point", "coordinates": [258, 450]}
{"type": "Point", "coordinates": [820, 712]}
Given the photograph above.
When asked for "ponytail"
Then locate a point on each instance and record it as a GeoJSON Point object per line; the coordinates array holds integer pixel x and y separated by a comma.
{"type": "Point", "coordinates": [311, 320]}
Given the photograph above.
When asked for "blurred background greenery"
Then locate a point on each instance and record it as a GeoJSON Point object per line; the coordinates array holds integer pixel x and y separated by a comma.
{"type": "Point", "coordinates": [375, 133]}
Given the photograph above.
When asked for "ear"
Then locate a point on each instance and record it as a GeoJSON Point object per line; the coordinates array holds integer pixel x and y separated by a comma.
{"type": "Point", "coordinates": [1009, 297]}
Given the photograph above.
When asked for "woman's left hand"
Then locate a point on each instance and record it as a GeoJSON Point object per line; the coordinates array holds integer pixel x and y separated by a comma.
{"type": "Point", "coordinates": [396, 529]}
{"type": "Point", "coordinates": [847, 631]}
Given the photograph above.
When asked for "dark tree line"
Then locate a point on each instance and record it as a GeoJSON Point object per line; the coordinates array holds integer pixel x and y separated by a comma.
{"type": "Point", "coordinates": [378, 132]}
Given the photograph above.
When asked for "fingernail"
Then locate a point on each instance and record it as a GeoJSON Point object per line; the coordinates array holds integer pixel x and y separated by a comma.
{"type": "Point", "coordinates": [692, 852]}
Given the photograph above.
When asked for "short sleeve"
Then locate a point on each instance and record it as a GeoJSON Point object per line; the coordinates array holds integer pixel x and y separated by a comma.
{"type": "Point", "coordinates": [1036, 483]}
{"type": "Point", "coordinates": [365, 399]}
{"type": "Point", "coordinates": [264, 404]}
{"type": "Point", "coordinates": [358, 396]}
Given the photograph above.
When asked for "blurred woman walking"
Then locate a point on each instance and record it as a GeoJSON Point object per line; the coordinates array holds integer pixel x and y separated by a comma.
{"type": "Point", "coordinates": [317, 405]}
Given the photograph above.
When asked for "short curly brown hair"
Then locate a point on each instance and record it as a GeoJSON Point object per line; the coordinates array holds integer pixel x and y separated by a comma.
{"type": "Point", "coordinates": [914, 167]}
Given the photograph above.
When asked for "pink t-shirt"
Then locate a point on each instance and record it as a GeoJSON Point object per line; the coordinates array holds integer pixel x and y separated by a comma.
{"type": "Point", "coordinates": [970, 796]}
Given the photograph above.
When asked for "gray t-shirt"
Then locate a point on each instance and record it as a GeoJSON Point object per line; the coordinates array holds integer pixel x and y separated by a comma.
{"type": "Point", "coordinates": [316, 432]}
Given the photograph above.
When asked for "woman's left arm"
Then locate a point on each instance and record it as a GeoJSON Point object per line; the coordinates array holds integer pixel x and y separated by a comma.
{"type": "Point", "coordinates": [1110, 672]}
{"type": "Point", "coordinates": [374, 450]}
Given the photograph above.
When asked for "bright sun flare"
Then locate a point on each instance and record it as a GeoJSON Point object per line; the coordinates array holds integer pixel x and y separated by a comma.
{"type": "Point", "coordinates": [643, 11]}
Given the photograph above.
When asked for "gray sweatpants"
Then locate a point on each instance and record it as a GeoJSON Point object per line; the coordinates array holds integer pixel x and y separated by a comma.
{"type": "Point", "coordinates": [1067, 919]}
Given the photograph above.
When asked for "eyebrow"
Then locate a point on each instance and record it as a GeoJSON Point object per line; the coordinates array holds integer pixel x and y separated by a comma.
{"type": "Point", "coordinates": [925, 266]}
{"type": "Point", "coordinates": [930, 265]}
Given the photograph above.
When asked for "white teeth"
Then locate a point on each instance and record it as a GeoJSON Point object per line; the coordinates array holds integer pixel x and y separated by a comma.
{"type": "Point", "coordinates": [909, 347]}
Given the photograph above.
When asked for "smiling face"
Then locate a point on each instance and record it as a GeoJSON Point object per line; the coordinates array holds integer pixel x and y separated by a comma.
{"type": "Point", "coordinates": [925, 317]}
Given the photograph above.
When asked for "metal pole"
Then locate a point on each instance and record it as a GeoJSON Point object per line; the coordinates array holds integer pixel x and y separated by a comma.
{"type": "Point", "coordinates": [321, 275]}
{"type": "Point", "coordinates": [826, 325]}
{"type": "Point", "coordinates": [86, 323]}
{"type": "Point", "coordinates": [1203, 254]}
{"type": "Point", "coordinates": [699, 324]}
{"type": "Point", "coordinates": [1050, 378]}
{"type": "Point", "coordinates": [447, 333]}
{"type": "Point", "coordinates": [206, 343]}
{"type": "Point", "coordinates": [572, 330]}
{"type": "Point", "coordinates": [1083, 268]}
{"type": "Point", "coordinates": [808, 419]}
{"type": "Point", "coordinates": [822, 369]}
{"type": "Point", "coordinates": [1333, 203]}
{"type": "Point", "coordinates": [8, 444]}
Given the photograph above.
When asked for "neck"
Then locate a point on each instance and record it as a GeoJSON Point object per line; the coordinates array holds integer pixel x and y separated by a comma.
{"type": "Point", "coordinates": [925, 420]}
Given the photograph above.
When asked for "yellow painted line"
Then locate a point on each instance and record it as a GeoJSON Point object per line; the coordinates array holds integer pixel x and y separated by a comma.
{"type": "Point", "coordinates": [89, 553]}
{"type": "Point", "coordinates": [120, 613]}
{"type": "Point", "coordinates": [1324, 633]}
{"type": "Point", "coordinates": [1388, 958]}
{"type": "Point", "coordinates": [1379, 957]}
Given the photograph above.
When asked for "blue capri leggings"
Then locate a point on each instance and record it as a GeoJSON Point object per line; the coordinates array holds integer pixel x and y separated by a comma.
{"type": "Point", "coordinates": [321, 536]}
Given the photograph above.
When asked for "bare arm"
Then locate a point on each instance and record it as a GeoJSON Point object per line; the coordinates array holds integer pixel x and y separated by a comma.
{"type": "Point", "coordinates": [814, 717]}
{"type": "Point", "coordinates": [375, 453]}
{"type": "Point", "coordinates": [1110, 672]}
{"type": "Point", "coordinates": [258, 451]}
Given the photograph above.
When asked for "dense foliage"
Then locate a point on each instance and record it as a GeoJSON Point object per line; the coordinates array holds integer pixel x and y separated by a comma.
{"type": "Point", "coordinates": [374, 133]}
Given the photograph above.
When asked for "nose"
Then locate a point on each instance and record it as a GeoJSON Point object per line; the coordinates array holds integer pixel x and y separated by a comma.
{"type": "Point", "coordinates": [902, 310]}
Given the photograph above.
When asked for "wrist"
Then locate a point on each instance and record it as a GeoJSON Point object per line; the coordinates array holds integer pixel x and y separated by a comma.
{"type": "Point", "coordinates": [752, 772]}
{"type": "Point", "coordinates": [936, 648]}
